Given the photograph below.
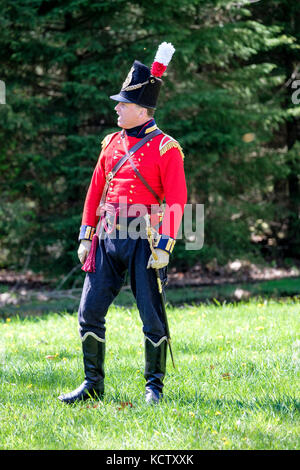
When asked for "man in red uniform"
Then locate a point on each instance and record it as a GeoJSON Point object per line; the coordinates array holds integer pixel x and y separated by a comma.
{"type": "Point", "coordinates": [124, 198]}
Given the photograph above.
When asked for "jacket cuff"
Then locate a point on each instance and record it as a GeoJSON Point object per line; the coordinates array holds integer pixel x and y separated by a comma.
{"type": "Point", "coordinates": [165, 243]}
{"type": "Point", "coordinates": [86, 232]}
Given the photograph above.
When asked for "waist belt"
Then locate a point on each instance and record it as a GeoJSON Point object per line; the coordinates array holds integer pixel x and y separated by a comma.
{"type": "Point", "coordinates": [123, 224]}
{"type": "Point", "coordinates": [120, 216]}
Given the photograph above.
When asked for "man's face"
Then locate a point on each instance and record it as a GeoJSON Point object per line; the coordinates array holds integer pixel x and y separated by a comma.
{"type": "Point", "coordinates": [130, 115]}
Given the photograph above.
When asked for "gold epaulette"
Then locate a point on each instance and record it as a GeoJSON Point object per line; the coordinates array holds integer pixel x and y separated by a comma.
{"type": "Point", "coordinates": [168, 143]}
{"type": "Point", "coordinates": [105, 142]}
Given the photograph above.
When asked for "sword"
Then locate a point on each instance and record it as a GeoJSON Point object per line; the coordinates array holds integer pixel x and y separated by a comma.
{"type": "Point", "coordinates": [160, 289]}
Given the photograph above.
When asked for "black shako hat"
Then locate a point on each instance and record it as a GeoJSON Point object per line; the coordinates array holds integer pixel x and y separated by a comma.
{"type": "Point", "coordinates": [142, 84]}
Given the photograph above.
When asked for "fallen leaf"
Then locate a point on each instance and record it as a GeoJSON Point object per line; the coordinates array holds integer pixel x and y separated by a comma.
{"type": "Point", "coordinates": [124, 404]}
{"type": "Point", "coordinates": [226, 376]}
{"type": "Point", "coordinates": [51, 356]}
{"type": "Point", "coordinates": [94, 406]}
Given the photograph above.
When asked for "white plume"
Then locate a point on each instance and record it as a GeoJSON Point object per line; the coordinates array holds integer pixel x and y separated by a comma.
{"type": "Point", "coordinates": [164, 53]}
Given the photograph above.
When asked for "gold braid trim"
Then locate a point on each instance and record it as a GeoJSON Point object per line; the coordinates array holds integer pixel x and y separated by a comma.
{"type": "Point", "coordinates": [135, 87]}
{"type": "Point", "coordinates": [170, 145]}
{"type": "Point", "coordinates": [150, 129]}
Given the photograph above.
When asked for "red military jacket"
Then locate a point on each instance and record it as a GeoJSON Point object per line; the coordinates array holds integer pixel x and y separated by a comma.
{"type": "Point", "coordinates": [160, 161]}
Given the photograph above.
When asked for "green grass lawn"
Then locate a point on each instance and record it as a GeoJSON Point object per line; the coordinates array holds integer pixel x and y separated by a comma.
{"type": "Point", "coordinates": [236, 383]}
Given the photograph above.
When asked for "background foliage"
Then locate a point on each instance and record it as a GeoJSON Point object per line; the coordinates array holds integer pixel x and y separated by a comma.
{"type": "Point", "coordinates": [227, 99]}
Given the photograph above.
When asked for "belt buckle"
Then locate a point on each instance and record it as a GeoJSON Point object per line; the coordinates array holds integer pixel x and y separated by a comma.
{"type": "Point", "coordinates": [109, 177]}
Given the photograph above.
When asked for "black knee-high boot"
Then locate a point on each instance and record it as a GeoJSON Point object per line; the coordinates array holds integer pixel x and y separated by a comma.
{"type": "Point", "coordinates": [155, 368]}
{"type": "Point", "coordinates": [93, 361]}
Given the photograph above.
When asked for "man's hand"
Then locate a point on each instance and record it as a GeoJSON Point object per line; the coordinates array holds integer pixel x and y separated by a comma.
{"type": "Point", "coordinates": [83, 250]}
{"type": "Point", "coordinates": [162, 259]}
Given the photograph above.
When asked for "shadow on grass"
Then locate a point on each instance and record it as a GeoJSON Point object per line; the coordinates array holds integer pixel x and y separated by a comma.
{"type": "Point", "coordinates": [284, 405]}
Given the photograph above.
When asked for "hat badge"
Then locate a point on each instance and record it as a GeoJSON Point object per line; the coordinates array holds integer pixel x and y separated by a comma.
{"type": "Point", "coordinates": [128, 79]}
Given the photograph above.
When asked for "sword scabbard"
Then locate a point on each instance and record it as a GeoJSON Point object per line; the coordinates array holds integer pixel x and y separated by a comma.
{"type": "Point", "coordinates": [160, 290]}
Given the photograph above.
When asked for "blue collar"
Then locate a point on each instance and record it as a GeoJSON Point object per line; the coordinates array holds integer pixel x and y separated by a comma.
{"type": "Point", "coordinates": [140, 131]}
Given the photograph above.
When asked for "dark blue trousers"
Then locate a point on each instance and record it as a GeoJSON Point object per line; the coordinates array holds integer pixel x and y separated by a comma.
{"type": "Point", "coordinates": [115, 256]}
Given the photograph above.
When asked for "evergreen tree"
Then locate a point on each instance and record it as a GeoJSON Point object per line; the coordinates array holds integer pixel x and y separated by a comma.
{"type": "Point", "coordinates": [224, 99]}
